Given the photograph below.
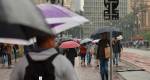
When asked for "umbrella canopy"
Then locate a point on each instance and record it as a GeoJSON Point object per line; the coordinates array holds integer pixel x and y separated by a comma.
{"type": "Point", "coordinates": [85, 40]}
{"type": "Point", "coordinates": [60, 18]}
{"type": "Point", "coordinates": [115, 32]}
{"type": "Point", "coordinates": [16, 41]}
{"type": "Point", "coordinates": [21, 20]}
{"type": "Point", "coordinates": [69, 44]}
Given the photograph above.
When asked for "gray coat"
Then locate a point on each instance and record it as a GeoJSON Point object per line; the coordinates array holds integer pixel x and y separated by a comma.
{"type": "Point", "coordinates": [63, 68]}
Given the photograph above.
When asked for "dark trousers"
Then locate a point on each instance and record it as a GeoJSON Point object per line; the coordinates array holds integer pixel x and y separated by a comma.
{"type": "Point", "coordinates": [15, 56]}
{"type": "Point", "coordinates": [9, 59]}
{"type": "Point", "coordinates": [104, 69]}
{"type": "Point", "coordinates": [3, 58]}
{"type": "Point", "coordinates": [116, 58]}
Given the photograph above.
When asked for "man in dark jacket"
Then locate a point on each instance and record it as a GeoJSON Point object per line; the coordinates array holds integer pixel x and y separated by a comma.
{"type": "Point", "coordinates": [102, 44]}
{"type": "Point", "coordinates": [116, 51]}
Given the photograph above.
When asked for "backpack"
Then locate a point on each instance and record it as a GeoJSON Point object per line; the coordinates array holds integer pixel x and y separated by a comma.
{"type": "Point", "coordinates": [40, 70]}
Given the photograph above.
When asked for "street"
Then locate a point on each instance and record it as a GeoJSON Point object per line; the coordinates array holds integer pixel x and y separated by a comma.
{"type": "Point", "coordinates": [132, 64]}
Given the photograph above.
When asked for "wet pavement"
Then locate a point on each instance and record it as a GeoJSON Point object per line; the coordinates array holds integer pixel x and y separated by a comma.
{"type": "Point", "coordinates": [135, 65]}
{"type": "Point", "coordinates": [84, 73]}
{"type": "Point", "coordinates": [132, 67]}
{"type": "Point", "coordinates": [5, 72]}
{"type": "Point", "coordinates": [140, 58]}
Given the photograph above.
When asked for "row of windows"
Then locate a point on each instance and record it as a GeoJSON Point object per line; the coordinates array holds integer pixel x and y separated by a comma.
{"type": "Point", "coordinates": [94, 12]}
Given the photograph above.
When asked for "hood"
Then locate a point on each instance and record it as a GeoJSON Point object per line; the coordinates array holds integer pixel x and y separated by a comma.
{"type": "Point", "coordinates": [43, 54]}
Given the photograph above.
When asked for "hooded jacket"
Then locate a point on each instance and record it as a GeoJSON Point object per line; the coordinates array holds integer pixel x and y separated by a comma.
{"type": "Point", "coordinates": [63, 68]}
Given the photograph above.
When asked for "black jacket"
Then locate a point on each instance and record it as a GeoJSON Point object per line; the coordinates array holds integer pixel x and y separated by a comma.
{"type": "Point", "coordinates": [102, 44]}
{"type": "Point", "coordinates": [117, 47]}
{"type": "Point", "coordinates": [71, 54]}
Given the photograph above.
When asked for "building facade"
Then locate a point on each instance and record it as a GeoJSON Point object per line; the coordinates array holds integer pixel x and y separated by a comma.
{"type": "Point", "coordinates": [68, 4]}
{"type": "Point", "coordinates": [141, 8]}
{"type": "Point", "coordinates": [94, 11]}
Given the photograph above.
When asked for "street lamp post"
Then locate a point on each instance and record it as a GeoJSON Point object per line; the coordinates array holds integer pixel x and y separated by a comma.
{"type": "Point", "coordinates": [111, 57]}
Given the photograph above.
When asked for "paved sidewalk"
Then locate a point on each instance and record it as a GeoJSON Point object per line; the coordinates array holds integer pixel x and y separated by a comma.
{"type": "Point", "coordinates": [134, 61]}
{"type": "Point", "coordinates": [91, 73]}
{"type": "Point", "coordinates": [87, 73]}
{"type": "Point", "coordinates": [84, 73]}
{"type": "Point", "coordinates": [140, 58]}
{"type": "Point", "coordinates": [5, 72]}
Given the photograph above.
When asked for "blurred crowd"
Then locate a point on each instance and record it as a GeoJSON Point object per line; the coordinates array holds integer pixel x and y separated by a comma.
{"type": "Point", "coordinates": [137, 44]}
{"type": "Point", "coordinates": [7, 53]}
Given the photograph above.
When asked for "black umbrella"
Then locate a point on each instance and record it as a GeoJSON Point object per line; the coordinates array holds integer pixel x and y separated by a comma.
{"type": "Point", "coordinates": [22, 20]}
{"type": "Point", "coordinates": [115, 32]}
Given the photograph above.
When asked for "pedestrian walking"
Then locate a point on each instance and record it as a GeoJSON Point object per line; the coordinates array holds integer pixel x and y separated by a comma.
{"type": "Point", "coordinates": [82, 54]}
{"type": "Point", "coordinates": [3, 54]}
{"type": "Point", "coordinates": [116, 51]}
{"type": "Point", "coordinates": [102, 44]}
{"type": "Point", "coordinates": [9, 54]}
{"type": "Point", "coordinates": [96, 55]}
{"type": "Point", "coordinates": [71, 54]}
{"type": "Point", "coordinates": [15, 52]}
{"type": "Point", "coordinates": [44, 63]}
{"type": "Point", "coordinates": [120, 49]}
{"type": "Point", "coordinates": [88, 54]}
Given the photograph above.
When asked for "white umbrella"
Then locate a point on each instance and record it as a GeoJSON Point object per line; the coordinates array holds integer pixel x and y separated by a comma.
{"type": "Point", "coordinates": [85, 40]}
{"type": "Point", "coordinates": [120, 37]}
{"type": "Point", "coordinates": [16, 41]}
{"type": "Point", "coordinates": [96, 41]}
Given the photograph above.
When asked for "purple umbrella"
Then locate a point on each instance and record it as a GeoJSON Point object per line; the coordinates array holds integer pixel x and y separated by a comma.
{"type": "Point", "coordinates": [60, 18]}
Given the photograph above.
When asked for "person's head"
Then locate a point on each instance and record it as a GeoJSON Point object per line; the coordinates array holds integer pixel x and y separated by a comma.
{"type": "Point", "coordinates": [103, 35]}
{"type": "Point", "coordinates": [116, 39]}
{"type": "Point", "coordinates": [46, 41]}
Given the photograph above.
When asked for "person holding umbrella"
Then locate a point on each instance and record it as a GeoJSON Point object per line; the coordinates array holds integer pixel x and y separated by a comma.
{"type": "Point", "coordinates": [45, 51]}
{"type": "Point", "coordinates": [70, 50]}
{"type": "Point", "coordinates": [116, 51]}
{"type": "Point", "coordinates": [102, 44]}
{"type": "Point", "coordinates": [21, 21]}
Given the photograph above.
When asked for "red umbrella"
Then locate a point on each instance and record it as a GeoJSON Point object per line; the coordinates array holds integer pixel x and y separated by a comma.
{"type": "Point", "coordinates": [69, 44]}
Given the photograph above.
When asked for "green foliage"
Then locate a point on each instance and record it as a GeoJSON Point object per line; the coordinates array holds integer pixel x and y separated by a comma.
{"type": "Point", "coordinates": [146, 35]}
